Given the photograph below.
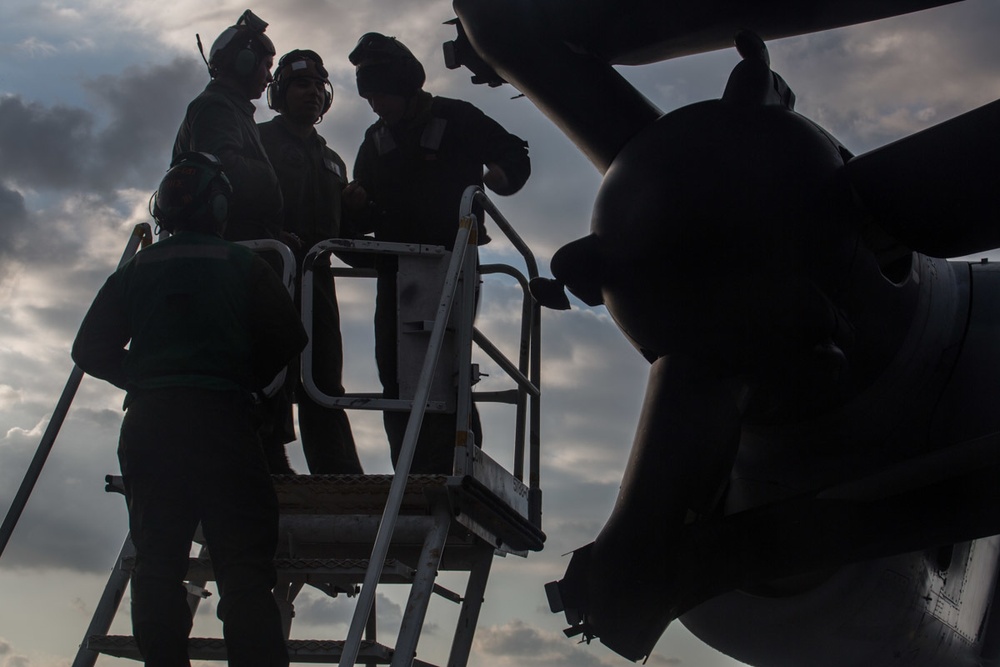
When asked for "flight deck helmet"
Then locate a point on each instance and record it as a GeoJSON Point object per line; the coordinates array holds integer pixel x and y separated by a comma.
{"type": "Point", "coordinates": [193, 195]}
{"type": "Point", "coordinates": [300, 63]}
{"type": "Point", "coordinates": [241, 47]}
{"type": "Point", "coordinates": [385, 65]}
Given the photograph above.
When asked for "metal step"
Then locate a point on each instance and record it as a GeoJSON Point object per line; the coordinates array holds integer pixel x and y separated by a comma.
{"type": "Point", "coordinates": [342, 572]}
{"type": "Point", "coordinates": [214, 648]}
{"type": "Point", "coordinates": [489, 503]}
{"type": "Point", "coordinates": [333, 576]}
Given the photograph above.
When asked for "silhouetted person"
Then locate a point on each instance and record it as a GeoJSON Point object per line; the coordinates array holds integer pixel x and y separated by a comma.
{"type": "Point", "coordinates": [191, 327]}
{"type": "Point", "coordinates": [410, 173]}
{"type": "Point", "coordinates": [312, 177]}
{"type": "Point", "coordinates": [220, 121]}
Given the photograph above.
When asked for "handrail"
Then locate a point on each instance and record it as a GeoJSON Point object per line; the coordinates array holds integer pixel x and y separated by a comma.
{"type": "Point", "coordinates": [529, 319]}
{"type": "Point", "coordinates": [461, 270]}
{"type": "Point", "coordinates": [473, 196]}
{"type": "Point", "coordinates": [366, 599]}
{"type": "Point", "coordinates": [529, 361]}
{"type": "Point", "coordinates": [357, 401]}
{"type": "Point", "coordinates": [141, 233]}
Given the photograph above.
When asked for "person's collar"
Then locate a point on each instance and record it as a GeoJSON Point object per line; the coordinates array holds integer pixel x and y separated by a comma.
{"type": "Point", "coordinates": [418, 109]}
{"type": "Point", "coordinates": [420, 106]}
{"type": "Point", "coordinates": [231, 89]}
{"type": "Point", "coordinates": [296, 130]}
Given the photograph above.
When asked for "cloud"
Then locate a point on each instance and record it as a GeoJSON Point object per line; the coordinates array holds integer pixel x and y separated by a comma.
{"type": "Point", "coordinates": [517, 643]}
{"type": "Point", "coordinates": [41, 146]}
{"type": "Point", "coordinates": [145, 106]}
{"type": "Point", "coordinates": [13, 224]}
{"type": "Point", "coordinates": [69, 521]}
{"type": "Point", "coordinates": [874, 83]}
{"type": "Point", "coordinates": [35, 48]}
{"type": "Point", "coordinates": [316, 610]}
{"type": "Point", "coordinates": [63, 147]}
{"type": "Point", "coordinates": [313, 610]}
{"type": "Point", "coordinates": [8, 657]}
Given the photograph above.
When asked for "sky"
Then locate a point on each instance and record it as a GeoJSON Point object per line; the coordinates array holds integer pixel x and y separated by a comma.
{"type": "Point", "coordinates": [91, 94]}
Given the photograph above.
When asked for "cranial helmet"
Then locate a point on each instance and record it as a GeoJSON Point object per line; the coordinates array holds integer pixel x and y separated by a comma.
{"type": "Point", "coordinates": [385, 65]}
{"type": "Point", "coordinates": [241, 47]}
{"type": "Point", "coordinates": [300, 63]}
{"type": "Point", "coordinates": [193, 195]}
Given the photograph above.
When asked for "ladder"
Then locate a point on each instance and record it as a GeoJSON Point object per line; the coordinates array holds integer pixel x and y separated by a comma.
{"type": "Point", "coordinates": [348, 534]}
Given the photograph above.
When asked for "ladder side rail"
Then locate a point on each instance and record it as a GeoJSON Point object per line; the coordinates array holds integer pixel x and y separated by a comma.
{"type": "Point", "coordinates": [107, 606]}
{"type": "Point", "coordinates": [535, 426]}
{"type": "Point", "coordinates": [422, 587]}
{"type": "Point", "coordinates": [407, 450]}
{"type": "Point", "coordinates": [474, 195]}
{"type": "Point", "coordinates": [464, 334]}
{"type": "Point", "coordinates": [141, 234]}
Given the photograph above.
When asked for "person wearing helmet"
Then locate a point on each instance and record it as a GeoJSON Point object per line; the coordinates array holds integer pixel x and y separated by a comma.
{"type": "Point", "coordinates": [190, 328]}
{"type": "Point", "coordinates": [312, 177]}
{"type": "Point", "coordinates": [220, 121]}
{"type": "Point", "coordinates": [411, 170]}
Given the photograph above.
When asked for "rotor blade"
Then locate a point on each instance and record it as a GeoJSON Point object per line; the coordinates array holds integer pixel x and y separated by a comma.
{"type": "Point", "coordinates": [644, 31]}
{"type": "Point", "coordinates": [936, 190]}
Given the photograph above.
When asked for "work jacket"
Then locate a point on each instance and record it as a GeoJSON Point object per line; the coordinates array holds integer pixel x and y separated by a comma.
{"type": "Point", "coordinates": [312, 177]}
{"type": "Point", "coordinates": [194, 311]}
{"type": "Point", "coordinates": [220, 121]}
{"type": "Point", "coordinates": [416, 170]}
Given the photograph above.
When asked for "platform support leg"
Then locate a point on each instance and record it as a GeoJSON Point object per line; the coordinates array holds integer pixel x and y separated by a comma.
{"type": "Point", "coordinates": [475, 591]}
{"type": "Point", "coordinates": [285, 593]}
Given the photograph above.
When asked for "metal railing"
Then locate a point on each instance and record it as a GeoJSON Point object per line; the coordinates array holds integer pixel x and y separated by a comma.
{"type": "Point", "coordinates": [460, 281]}
{"type": "Point", "coordinates": [525, 372]}
{"type": "Point", "coordinates": [462, 270]}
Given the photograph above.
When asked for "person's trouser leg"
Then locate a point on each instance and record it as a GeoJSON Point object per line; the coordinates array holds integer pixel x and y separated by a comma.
{"type": "Point", "coordinates": [435, 449]}
{"type": "Point", "coordinates": [239, 512]}
{"type": "Point", "coordinates": [162, 522]}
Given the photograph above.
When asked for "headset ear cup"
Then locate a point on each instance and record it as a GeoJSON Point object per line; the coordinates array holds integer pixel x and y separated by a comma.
{"type": "Point", "coordinates": [272, 96]}
{"type": "Point", "coordinates": [245, 62]}
{"type": "Point", "coordinates": [279, 95]}
{"type": "Point", "coordinates": [220, 207]}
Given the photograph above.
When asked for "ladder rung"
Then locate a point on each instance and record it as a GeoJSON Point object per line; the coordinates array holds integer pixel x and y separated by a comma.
{"type": "Point", "coordinates": [214, 648]}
